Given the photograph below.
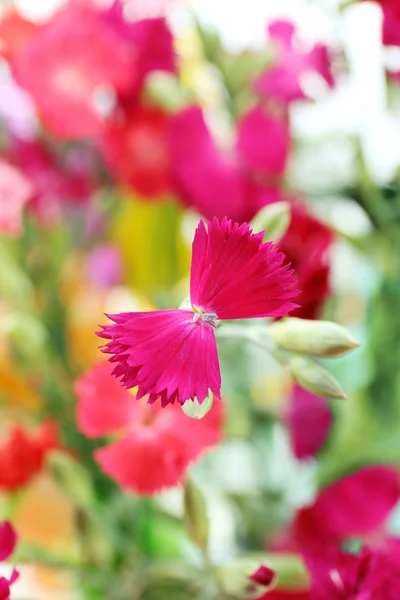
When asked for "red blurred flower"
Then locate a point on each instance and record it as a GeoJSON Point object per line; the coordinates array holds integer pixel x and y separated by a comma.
{"type": "Point", "coordinates": [307, 245]}
{"type": "Point", "coordinates": [15, 192]}
{"type": "Point", "coordinates": [8, 541]}
{"type": "Point", "coordinates": [309, 420]}
{"type": "Point", "coordinates": [75, 56]}
{"type": "Point", "coordinates": [155, 447]}
{"type": "Point", "coordinates": [283, 81]}
{"type": "Point", "coordinates": [22, 455]}
{"type": "Point", "coordinates": [220, 184]}
{"type": "Point", "coordinates": [340, 510]}
{"type": "Point", "coordinates": [15, 33]}
{"type": "Point", "coordinates": [134, 143]}
{"type": "Point", "coordinates": [172, 354]}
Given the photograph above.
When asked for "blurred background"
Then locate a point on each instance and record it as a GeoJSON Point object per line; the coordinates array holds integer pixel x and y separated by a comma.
{"type": "Point", "coordinates": [121, 125]}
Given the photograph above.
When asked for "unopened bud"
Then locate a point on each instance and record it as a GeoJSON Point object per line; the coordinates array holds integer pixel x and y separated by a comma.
{"type": "Point", "coordinates": [196, 518]}
{"type": "Point", "coordinates": [274, 219]}
{"type": "Point", "coordinates": [165, 90]}
{"type": "Point", "coordinates": [26, 335]}
{"type": "Point", "coordinates": [314, 378]}
{"type": "Point", "coordinates": [196, 410]}
{"type": "Point", "coordinates": [286, 571]}
{"type": "Point", "coordinates": [317, 338]}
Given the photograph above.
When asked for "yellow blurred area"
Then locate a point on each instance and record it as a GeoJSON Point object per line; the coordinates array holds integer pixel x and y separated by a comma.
{"type": "Point", "coordinates": [154, 255]}
{"type": "Point", "coordinates": [16, 389]}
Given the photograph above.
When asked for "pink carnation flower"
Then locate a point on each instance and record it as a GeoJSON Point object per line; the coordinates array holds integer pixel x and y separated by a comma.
{"type": "Point", "coordinates": [15, 192]}
{"type": "Point", "coordinates": [154, 447]}
{"type": "Point", "coordinates": [284, 80]}
{"type": "Point", "coordinates": [172, 354]}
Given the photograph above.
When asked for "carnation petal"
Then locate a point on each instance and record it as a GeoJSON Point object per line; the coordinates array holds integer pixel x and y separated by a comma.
{"type": "Point", "coordinates": [309, 421]}
{"type": "Point", "coordinates": [104, 406]}
{"type": "Point", "coordinates": [165, 353]}
{"type": "Point", "coordinates": [263, 142]}
{"type": "Point", "coordinates": [203, 176]}
{"type": "Point", "coordinates": [236, 276]}
{"type": "Point", "coordinates": [154, 457]}
{"type": "Point", "coordinates": [8, 540]}
{"type": "Point", "coordinates": [341, 510]}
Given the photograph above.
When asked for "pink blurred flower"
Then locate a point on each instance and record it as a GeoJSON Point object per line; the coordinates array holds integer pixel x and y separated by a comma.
{"type": "Point", "coordinates": [54, 183]}
{"type": "Point", "coordinates": [104, 268]}
{"type": "Point", "coordinates": [8, 541]}
{"type": "Point", "coordinates": [391, 22]}
{"type": "Point", "coordinates": [15, 191]}
{"type": "Point", "coordinates": [172, 354]}
{"type": "Point", "coordinates": [307, 245]}
{"type": "Point", "coordinates": [373, 574]}
{"type": "Point", "coordinates": [151, 37]}
{"type": "Point", "coordinates": [220, 184]}
{"type": "Point", "coordinates": [15, 33]}
{"type": "Point", "coordinates": [22, 455]}
{"type": "Point", "coordinates": [76, 55]}
{"type": "Point", "coordinates": [154, 448]}
{"type": "Point", "coordinates": [283, 81]}
{"type": "Point", "coordinates": [309, 420]}
{"type": "Point", "coordinates": [134, 143]}
{"type": "Point", "coordinates": [340, 510]}
{"type": "Point", "coordinates": [263, 142]}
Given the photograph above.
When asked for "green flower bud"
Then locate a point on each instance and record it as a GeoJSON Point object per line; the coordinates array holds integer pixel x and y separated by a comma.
{"type": "Point", "coordinates": [317, 338]}
{"type": "Point", "coordinates": [274, 219]}
{"type": "Point", "coordinates": [314, 378]}
{"type": "Point", "coordinates": [196, 518]}
{"type": "Point", "coordinates": [164, 89]}
{"type": "Point", "coordinates": [291, 573]}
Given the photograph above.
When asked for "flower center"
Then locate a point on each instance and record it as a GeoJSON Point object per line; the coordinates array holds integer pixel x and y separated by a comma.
{"type": "Point", "coordinates": [205, 317]}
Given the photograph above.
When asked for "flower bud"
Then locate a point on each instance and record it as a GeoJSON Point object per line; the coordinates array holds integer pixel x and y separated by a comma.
{"type": "Point", "coordinates": [196, 518]}
{"type": "Point", "coordinates": [274, 219]}
{"type": "Point", "coordinates": [314, 378]}
{"type": "Point", "coordinates": [195, 410]}
{"type": "Point", "coordinates": [240, 576]}
{"type": "Point", "coordinates": [317, 338]}
{"type": "Point", "coordinates": [26, 335]}
{"type": "Point", "coordinates": [165, 90]}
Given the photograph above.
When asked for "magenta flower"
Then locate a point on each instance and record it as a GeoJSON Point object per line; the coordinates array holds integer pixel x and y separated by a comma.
{"type": "Point", "coordinates": [391, 22]}
{"type": "Point", "coordinates": [340, 510]}
{"type": "Point", "coordinates": [373, 574]}
{"type": "Point", "coordinates": [219, 184]}
{"type": "Point", "coordinates": [172, 354]}
{"type": "Point", "coordinates": [308, 420]}
{"type": "Point", "coordinates": [8, 541]}
{"type": "Point", "coordinates": [154, 447]}
{"type": "Point", "coordinates": [283, 81]}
